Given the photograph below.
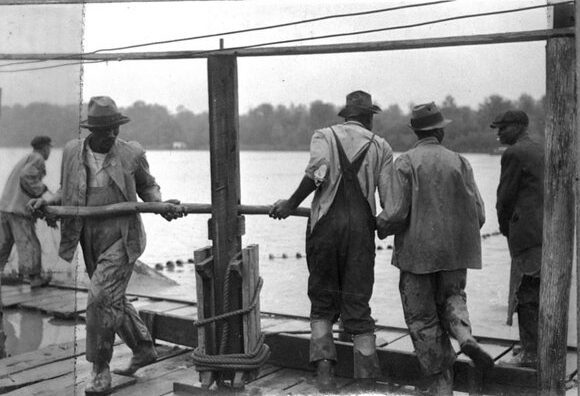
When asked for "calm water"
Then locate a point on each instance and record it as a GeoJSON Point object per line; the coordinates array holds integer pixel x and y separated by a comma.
{"type": "Point", "coordinates": [268, 176]}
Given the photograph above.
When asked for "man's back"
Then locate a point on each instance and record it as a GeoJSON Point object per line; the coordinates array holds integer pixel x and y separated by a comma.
{"type": "Point", "coordinates": [445, 213]}
{"type": "Point", "coordinates": [24, 183]}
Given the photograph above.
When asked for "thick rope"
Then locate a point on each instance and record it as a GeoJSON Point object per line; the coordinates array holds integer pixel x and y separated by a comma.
{"type": "Point", "coordinates": [236, 361]}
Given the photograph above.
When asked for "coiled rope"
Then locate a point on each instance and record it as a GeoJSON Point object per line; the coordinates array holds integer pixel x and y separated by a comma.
{"type": "Point", "coordinates": [252, 359]}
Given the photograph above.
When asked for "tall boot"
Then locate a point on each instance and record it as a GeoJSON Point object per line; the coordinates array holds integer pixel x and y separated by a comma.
{"type": "Point", "coordinates": [323, 354]}
{"type": "Point", "coordinates": [528, 328]}
{"type": "Point", "coordinates": [366, 362]}
{"type": "Point", "coordinates": [2, 341]}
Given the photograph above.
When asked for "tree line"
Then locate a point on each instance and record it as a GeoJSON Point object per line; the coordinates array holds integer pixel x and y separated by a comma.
{"type": "Point", "coordinates": [266, 127]}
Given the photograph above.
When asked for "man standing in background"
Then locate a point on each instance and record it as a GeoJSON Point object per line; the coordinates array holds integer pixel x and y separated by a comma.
{"type": "Point", "coordinates": [101, 170]}
{"type": "Point", "coordinates": [520, 212]}
{"type": "Point", "coordinates": [16, 220]}
{"type": "Point", "coordinates": [346, 163]}
{"type": "Point", "coordinates": [435, 211]}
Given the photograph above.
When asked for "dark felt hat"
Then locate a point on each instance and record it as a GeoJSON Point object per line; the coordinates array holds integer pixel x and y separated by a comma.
{"type": "Point", "coordinates": [39, 142]}
{"type": "Point", "coordinates": [358, 102]}
{"type": "Point", "coordinates": [510, 117]}
{"type": "Point", "coordinates": [103, 113]}
{"type": "Point", "coordinates": [427, 116]}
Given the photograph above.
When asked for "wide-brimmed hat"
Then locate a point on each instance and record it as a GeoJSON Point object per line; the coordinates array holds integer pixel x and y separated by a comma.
{"type": "Point", "coordinates": [427, 116]}
{"type": "Point", "coordinates": [103, 113]}
{"type": "Point", "coordinates": [510, 117]}
{"type": "Point", "coordinates": [358, 102]}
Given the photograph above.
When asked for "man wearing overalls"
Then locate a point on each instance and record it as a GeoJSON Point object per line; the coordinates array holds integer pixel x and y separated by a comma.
{"type": "Point", "coordinates": [346, 162]}
{"type": "Point", "coordinates": [100, 170]}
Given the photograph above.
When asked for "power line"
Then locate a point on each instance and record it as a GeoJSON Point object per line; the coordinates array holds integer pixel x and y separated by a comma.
{"type": "Point", "coordinates": [51, 66]}
{"type": "Point", "coordinates": [217, 51]}
{"type": "Point", "coordinates": [231, 32]}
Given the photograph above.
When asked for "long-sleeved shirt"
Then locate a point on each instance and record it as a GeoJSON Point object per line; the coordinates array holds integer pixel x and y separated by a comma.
{"type": "Point", "coordinates": [23, 184]}
{"type": "Point", "coordinates": [434, 209]}
{"type": "Point", "coordinates": [324, 165]}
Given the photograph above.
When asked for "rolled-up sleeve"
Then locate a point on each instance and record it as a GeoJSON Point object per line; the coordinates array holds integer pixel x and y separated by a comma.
{"type": "Point", "coordinates": [31, 177]}
{"type": "Point", "coordinates": [317, 168]}
{"type": "Point", "coordinates": [397, 198]}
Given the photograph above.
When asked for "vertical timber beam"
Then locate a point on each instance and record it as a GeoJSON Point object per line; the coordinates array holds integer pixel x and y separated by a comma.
{"type": "Point", "coordinates": [577, 43]}
{"type": "Point", "coordinates": [225, 185]}
{"type": "Point", "coordinates": [558, 233]}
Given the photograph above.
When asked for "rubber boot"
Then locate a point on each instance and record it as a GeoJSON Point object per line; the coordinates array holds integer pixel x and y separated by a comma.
{"type": "Point", "coordinates": [366, 362]}
{"type": "Point", "coordinates": [325, 379]}
{"type": "Point", "coordinates": [442, 383]}
{"type": "Point", "coordinates": [2, 341]}
{"type": "Point", "coordinates": [528, 328]}
{"type": "Point", "coordinates": [323, 354]}
{"type": "Point", "coordinates": [321, 342]}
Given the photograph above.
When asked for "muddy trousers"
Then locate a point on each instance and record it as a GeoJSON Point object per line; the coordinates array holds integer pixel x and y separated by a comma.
{"type": "Point", "coordinates": [528, 298]}
{"type": "Point", "coordinates": [435, 308]}
{"type": "Point", "coordinates": [108, 310]}
{"type": "Point", "coordinates": [19, 230]}
{"type": "Point", "coordinates": [109, 269]}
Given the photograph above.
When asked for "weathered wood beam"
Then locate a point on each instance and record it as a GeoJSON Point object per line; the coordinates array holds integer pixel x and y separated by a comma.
{"type": "Point", "coordinates": [394, 45]}
{"type": "Point", "coordinates": [52, 2]}
{"type": "Point", "coordinates": [124, 208]}
{"type": "Point", "coordinates": [225, 188]}
{"type": "Point", "coordinates": [558, 233]}
{"type": "Point", "coordinates": [577, 42]}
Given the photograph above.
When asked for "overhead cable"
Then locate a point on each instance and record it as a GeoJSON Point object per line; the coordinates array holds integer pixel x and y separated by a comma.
{"type": "Point", "coordinates": [230, 49]}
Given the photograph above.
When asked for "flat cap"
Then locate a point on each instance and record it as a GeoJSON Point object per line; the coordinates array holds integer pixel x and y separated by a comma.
{"type": "Point", "coordinates": [510, 117]}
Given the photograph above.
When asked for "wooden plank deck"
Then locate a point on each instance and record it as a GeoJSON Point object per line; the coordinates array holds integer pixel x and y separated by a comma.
{"type": "Point", "coordinates": [62, 369]}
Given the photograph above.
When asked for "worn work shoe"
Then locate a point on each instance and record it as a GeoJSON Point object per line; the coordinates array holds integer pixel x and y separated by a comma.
{"type": "Point", "coordinates": [481, 358]}
{"type": "Point", "coordinates": [441, 384]}
{"type": "Point", "coordinates": [144, 356]}
{"type": "Point", "coordinates": [100, 383]}
{"type": "Point", "coordinates": [523, 359]}
{"type": "Point", "coordinates": [325, 380]}
{"type": "Point", "coordinates": [39, 281]}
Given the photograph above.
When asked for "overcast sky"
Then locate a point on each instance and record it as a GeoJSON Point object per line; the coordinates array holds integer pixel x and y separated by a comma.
{"type": "Point", "coordinates": [412, 76]}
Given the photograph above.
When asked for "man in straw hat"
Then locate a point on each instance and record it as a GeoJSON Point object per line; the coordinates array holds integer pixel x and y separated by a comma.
{"type": "Point", "coordinates": [520, 213]}
{"type": "Point", "coordinates": [100, 170]}
{"type": "Point", "coordinates": [16, 220]}
{"type": "Point", "coordinates": [346, 162]}
{"type": "Point", "coordinates": [435, 211]}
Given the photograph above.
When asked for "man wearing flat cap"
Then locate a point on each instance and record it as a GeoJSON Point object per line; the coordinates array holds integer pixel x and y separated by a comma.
{"type": "Point", "coordinates": [16, 220]}
{"type": "Point", "coordinates": [435, 211]}
{"type": "Point", "coordinates": [102, 169]}
{"type": "Point", "coordinates": [346, 162]}
{"type": "Point", "coordinates": [520, 212]}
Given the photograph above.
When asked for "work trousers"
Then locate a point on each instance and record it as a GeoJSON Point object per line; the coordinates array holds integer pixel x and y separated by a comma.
{"type": "Point", "coordinates": [19, 230]}
{"type": "Point", "coordinates": [340, 252]}
{"type": "Point", "coordinates": [528, 304]}
{"type": "Point", "coordinates": [435, 308]}
{"type": "Point", "coordinates": [109, 270]}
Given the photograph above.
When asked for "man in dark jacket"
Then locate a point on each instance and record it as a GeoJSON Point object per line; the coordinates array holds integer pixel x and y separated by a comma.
{"type": "Point", "coordinates": [520, 200]}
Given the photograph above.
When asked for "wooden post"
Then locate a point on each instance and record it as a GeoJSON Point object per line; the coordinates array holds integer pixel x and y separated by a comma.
{"type": "Point", "coordinates": [577, 43]}
{"type": "Point", "coordinates": [225, 230]}
{"type": "Point", "coordinates": [558, 234]}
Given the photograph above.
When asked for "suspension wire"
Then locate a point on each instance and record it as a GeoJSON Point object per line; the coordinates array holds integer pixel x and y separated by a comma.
{"type": "Point", "coordinates": [52, 66]}
{"type": "Point", "coordinates": [413, 25]}
{"type": "Point", "coordinates": [231, 32]}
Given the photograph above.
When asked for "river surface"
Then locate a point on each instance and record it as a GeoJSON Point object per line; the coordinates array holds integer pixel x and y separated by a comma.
{"type": "Point", "coordinates": [268, 176]}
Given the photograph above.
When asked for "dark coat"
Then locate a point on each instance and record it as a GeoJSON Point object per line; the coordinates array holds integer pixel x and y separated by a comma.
{"type": "Point", "coordinates": [520, 195]}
